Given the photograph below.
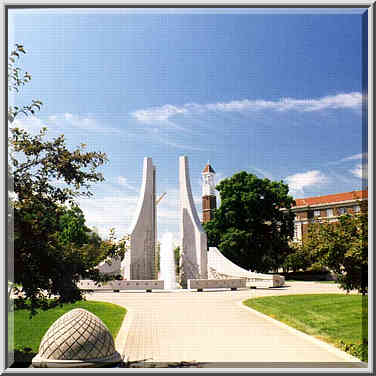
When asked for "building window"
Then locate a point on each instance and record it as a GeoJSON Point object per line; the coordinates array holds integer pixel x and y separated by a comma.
{"type": "Point", "coordinates": [298, 232]}
{"type": "Point", "coordinates": [310, 214]}
{"type": "Point", "coordinates": [342, 211]}
{"type": "Point", "coordinates": [316, 213]}
{"type": "Point", "coordinates": [356, 209]}
{"type": "Point", "coordinates": [329, 212]}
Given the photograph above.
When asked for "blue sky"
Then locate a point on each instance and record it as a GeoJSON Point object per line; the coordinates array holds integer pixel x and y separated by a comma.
{"type": "Point", "coordinates": [277, 94]}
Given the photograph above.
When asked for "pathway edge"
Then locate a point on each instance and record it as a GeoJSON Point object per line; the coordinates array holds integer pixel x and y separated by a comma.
{"type": "Point", "coordinates": [122, 335]}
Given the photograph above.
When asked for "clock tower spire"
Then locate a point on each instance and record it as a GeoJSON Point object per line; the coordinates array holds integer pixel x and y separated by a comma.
{"type": "Point", "coordinates": [209, 200]}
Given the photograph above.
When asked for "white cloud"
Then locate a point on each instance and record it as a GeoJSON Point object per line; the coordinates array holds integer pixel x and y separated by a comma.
{"type": "Point", "coordinates": [298, 182]}
{"type": "Point", "coordinates": [60, 123]}
{"type": "Point", "coordinates": [353, 157]}
{"type": "Point", "coordinates": [165, 113]}
{"type": "Point", "coordinates": [32, 124]}
{"type": "Point", "coordinates": [121, 180]}
{"type": "Point", "coordinates": [162, 113]}
{"type": "Point", "coordinates": [350, 100]}
{"type": "Point", "coordinates": [360, 171]}
{"type": "Point", "coordinates": [114, 211]}
{"type": "Point", "coordinates": [86, 123]}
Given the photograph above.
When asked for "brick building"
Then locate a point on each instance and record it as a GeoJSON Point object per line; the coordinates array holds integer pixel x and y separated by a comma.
{"type": "Point", "coordinates": [328, 208]}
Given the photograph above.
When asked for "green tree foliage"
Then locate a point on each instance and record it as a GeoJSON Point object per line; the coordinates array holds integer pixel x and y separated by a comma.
{"type": "Point", "coordinates": [53, 248]}
{"type": "Point", "coordinates": [298, 258]}
{"type": "Point", "coordinates": [158, 257]}
{"type": "Point", "coordinates": [249, 228]}
{"type": "Point", "coordinates": [177, 260]}
{"type": "Point", "coordinates": [343, 248]}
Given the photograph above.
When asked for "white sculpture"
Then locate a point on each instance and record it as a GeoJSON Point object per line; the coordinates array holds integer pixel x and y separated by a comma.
{"type": "Point", "coordinates": [139, 261]}
{"type": "Point", "coordinates": [220, 267]}
{"type": "Point", "coordinates": [194, 261]}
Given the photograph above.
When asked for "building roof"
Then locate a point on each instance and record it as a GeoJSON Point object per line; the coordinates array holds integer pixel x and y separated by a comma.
{"type": "Point", "coordinates": [328, 199]}
{"type": "Point", "coordinates": [208, 168]}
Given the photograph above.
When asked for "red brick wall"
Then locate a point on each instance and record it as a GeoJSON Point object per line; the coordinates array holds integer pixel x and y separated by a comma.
{"type": "Point", "coordinates": [208, 204]}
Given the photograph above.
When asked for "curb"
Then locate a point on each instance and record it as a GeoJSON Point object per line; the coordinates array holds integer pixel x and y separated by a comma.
{"type": "Point", "coordinates": [122, 335]}
{"type": "Point", "coordinates": [345, 356]}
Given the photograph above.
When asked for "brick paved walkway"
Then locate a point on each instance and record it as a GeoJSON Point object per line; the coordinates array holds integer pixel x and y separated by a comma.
{"type": "Point", "coordinates": [212, 326]}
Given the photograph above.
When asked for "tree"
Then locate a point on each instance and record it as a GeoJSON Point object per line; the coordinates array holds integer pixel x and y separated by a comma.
{"type": "Point", "coordinates": [53, 248]}
{"type": "Point", "coordinates": [177, 260]}
{"type": "Point", "coordinates": [17, 78]}
{"type": "Point", "coordinates": [343, 248]}
{"type": "Point", "coordinates": [298, 258]}
{"type": "Point", "coordinates": [249, 228]}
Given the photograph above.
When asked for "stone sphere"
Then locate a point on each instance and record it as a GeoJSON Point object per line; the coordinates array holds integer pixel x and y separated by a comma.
{"type": "Point", "coordinates": [76, 339]}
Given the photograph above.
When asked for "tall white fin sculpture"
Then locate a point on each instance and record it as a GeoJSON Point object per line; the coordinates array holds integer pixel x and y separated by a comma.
{"type": "Point", "coordinates": [139, 262]}
{"type": "Point", "coordinates": [194, 258]}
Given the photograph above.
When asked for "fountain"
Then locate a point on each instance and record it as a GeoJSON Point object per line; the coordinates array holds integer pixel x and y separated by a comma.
{"type": "Point", "coordinates": [167, 262]}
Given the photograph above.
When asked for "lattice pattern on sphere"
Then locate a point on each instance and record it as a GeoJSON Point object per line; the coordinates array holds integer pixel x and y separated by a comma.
{"type": "Point", "coordinates": [77, 335]}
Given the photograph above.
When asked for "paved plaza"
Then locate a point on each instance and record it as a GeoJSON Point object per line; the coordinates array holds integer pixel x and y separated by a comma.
{"type": "Point", "coordinates": [214, 327]}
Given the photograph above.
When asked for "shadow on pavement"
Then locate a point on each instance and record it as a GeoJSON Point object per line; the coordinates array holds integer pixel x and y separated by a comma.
{"type": "Point", "coordinates": [273, 365]}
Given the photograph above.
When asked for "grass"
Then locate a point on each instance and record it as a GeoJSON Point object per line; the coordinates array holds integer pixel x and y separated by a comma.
{"type": "Point", "coordinates": [338, 319]}
{"type": "Point", "coordinates": [28, 331]}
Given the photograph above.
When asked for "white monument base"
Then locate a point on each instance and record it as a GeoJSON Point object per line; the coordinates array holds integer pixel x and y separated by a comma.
{"type": "Point", "coordinates": [201, 284]}
{"type": "Point", "coordinates": [148, 285]}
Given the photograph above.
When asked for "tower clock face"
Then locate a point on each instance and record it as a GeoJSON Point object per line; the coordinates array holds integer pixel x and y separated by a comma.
{"type": "Point", "coordinates": [208, 186]}
{"type": "Point", "coordinates": [209, 179]}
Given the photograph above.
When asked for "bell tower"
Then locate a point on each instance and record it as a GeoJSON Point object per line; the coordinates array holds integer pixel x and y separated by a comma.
{"type": "Point", "coordinates": [209, 200]}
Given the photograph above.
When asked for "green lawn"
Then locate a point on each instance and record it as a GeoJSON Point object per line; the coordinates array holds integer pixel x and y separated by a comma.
{"type": "Point", "coordinates": [335, 318]}
{"type": "Point", "coordinates": [28, 332]}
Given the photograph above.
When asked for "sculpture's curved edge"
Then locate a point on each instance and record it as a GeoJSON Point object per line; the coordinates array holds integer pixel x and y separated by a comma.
{"type": "Point", "coordinates": [222, 265]}
{"type": "Point", "coordinates": [140, 257]}
{"type": "Point", "coordinates": [186, 192]}
{"type": "Point", "coordinates": [147, 164]}
{"type": "Point", "coordinates": [198, 245]}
